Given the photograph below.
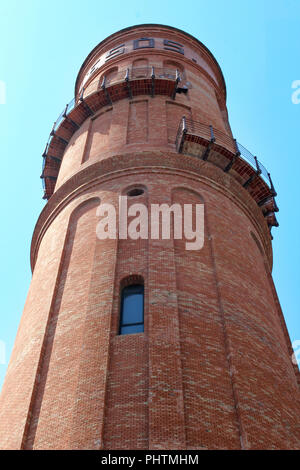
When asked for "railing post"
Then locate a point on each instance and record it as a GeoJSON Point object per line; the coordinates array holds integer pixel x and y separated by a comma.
{"type": "Point", "coordinates": [237, 154]}
{"type": "Point", "coordinates": [182, 130]}
{"type": "Point", "coordinates": [177, 80]}
{"type": "Point", "coordinates": [153, 82]}
{"type": "Point", "coordinates": [103, 87]}
{"type": "Point", "coordinates": [85, 105]}
{"type": "Point", "coordinates": [46, 150]}
{"type": "Point", "coordinates": [65, 115]}
{"type": "Point", "coordinates": [207, 151]}
{"type": "Point", "coordinates": [237, 150]}
{"type": "Point", "coordinates": [258, 170]}
{"type": "Point", "coordinates": [128, 83]}
{"type": "Point", "coordinates": [212, 137]}
{"type": "Point", "coordinates": [184, 127]}
{"type": "Point", "coordinates": [103, 83]}
{"type": "Point", "coordinates": [52, 130]}
{"type": "Point", "coordinates": [272, 186]}
{"type": "Point", "coordinates": [81, 96]}
{"type": "Point", "coordinates": [254, 175]}
{"type": "Point", "coordinates": [65, 111]}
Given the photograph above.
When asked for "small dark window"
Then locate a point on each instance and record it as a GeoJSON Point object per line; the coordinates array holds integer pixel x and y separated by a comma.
{"type": "Point", "coordinates": [132, 309]}
{"type": "Point", "coordinates": [135, 192]}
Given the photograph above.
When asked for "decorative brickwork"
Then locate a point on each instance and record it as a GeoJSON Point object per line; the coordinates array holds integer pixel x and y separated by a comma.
{"type": "Point", "coordinates": [212, 369]}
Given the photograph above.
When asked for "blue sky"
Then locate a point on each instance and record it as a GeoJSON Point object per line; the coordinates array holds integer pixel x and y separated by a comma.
{"type": "Point", "coordinates": [43, 44]}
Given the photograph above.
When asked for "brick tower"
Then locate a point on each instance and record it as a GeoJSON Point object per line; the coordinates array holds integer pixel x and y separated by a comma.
{"type": "Point", "coordinates": [208, 364]}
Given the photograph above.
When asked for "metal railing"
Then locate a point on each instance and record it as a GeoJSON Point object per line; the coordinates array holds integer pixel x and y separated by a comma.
{"type": "Point", "coordinates": [250, 158]}
{"type": "Point", "coordinates": [208, 132]}
{"type": "Point", "coordinates": [129, 74]}
{"type": "Point", "coordinates": [126, 76]}
{"type": "Point", "coordinates": [63, 115]}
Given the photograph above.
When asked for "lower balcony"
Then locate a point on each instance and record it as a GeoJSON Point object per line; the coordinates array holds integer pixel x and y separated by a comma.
{"type": "Point", "coordinates": [207, 143]}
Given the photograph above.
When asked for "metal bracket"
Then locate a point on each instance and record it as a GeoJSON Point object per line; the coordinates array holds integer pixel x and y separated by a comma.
{"type": "Point", "coordinates": [52, 158]}
{"type": "Point", "coordinates": [127, 80]}
{"type": "Point", "coordinates": [271, 213]}
{"type": "Point", "coordinates": [177, 80]}
{"type": "Point", "coordinates": [249, 180]}
{"type": "Point", "coordinates": [103, 87]}
{"type": "Point", "coordinates": [53, 178]}
{"type": "Point", "coordinates": [62, 140]}
{"type": "Point", "coordinates": [69, 119]}
{"type": "Point", "coordinates": [207, 151]}
{"type": "Point", "coordinates": [272, 186]}
{"type": "Point", "coordinates": [184, 131]}
{"type": "Point", "coordinates": [152, 82]}
{"type": "Point", "coordinates": [254, 175]}
{"type": "Point", "coordinates": [53, 134]}
{"type": "Point", "coordinates": [237, 155]}
{"type": "Point", "coordinates": [85, 105]}
{"type": "Point", "coordinates": [267, 199]}
{"type": "Point", "coordinates": [46, 150]}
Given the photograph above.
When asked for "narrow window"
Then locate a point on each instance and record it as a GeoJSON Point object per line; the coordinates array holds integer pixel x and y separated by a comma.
{"type": "Point", "coordinates": [132, 309]}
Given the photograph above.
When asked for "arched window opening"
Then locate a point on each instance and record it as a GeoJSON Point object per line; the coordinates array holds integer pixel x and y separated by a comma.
{"type": "Point", "coordinates": [170, 68]}
{"type": "Point", "coordinates": [139, 68]}
{"type": "Point", "coordinates": [132, 309]}
{"type": "Point", "coordinates": [110, 76]}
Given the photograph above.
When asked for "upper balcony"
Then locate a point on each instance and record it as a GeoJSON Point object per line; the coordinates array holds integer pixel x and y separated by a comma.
{"type": "Point", "coordinates": [203, 141]}
{"type": "Point", "coordinates": [124, 84]}
{"type": "Point", "coordinates": [193, 138]}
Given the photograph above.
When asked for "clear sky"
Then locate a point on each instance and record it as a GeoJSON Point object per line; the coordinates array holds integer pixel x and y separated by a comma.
{"type": "Point", "coordinates": [43, 44]}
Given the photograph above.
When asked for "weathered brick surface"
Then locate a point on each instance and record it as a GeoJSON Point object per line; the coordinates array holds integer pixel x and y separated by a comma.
{"type": "Point", "coordinates": [213, 368]}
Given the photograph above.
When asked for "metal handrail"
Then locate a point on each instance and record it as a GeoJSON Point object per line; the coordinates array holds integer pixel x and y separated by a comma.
{"type": "Point", "coordinates": [103, 83]}
{"type": "Point", "coordinates": [133, 73]}
{"type": "Point", "coordinates": [189, 126]}
{"type": "Point", "coordinates": [251, 159]}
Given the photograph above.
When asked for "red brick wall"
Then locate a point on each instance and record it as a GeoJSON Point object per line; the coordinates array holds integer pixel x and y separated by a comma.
{"type": "Point", "coordinates": [213, 368]}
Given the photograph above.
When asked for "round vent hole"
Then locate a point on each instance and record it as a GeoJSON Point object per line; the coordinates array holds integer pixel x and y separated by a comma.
{"type": "Point", "coordinates": [135, 192]}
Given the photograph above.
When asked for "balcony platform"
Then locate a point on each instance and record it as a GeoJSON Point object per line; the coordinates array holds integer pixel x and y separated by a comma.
{"type": "Point", "coordinates": [205, 142]}
{"type": "Point", "coordinates": [125, 84]}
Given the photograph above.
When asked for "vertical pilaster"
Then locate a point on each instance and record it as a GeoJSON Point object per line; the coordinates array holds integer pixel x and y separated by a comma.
{"type": "Point", "coordinates": [166, 408]}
